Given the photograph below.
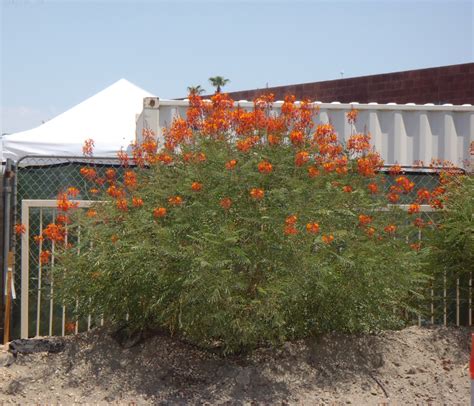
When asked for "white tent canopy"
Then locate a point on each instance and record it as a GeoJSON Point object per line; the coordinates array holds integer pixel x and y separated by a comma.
{"type": "Point", "coordinates": [109, 118]}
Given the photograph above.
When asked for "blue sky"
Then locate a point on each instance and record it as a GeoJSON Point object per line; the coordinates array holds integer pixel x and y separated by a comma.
{"type": "Point", "coordinates": [54, 54]}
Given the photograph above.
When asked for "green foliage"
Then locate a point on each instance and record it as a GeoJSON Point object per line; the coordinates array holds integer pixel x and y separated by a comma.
{"type": "Point", "coordinates": [233, 276]}
{"type": "Point", "coordinates": [452, 243]}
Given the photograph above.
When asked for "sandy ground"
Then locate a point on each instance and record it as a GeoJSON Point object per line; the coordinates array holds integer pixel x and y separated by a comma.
{"type": "Point", "coordinates": [412, 366]}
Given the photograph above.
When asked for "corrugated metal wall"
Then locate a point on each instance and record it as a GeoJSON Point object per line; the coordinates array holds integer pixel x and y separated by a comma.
{"type": "Point", "coordinates": [402, 134]}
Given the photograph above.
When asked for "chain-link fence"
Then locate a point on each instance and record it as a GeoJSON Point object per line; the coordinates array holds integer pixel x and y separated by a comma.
{"type": "Point", "coordinates": [42, 178]}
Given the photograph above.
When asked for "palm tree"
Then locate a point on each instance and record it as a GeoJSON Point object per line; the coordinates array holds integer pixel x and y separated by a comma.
{"type": "Point", "coordinates": [218, 82]}
{"type": "Point", "coordinates": [196, 90]}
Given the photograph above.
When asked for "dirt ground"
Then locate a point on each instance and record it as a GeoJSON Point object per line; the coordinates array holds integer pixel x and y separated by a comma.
{"type": "Point", "coordinates": [412, 366]}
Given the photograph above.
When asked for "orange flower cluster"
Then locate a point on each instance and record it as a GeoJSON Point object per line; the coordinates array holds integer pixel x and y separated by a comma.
{"type": "Point", "coordinates": [88, 147]}
{"type": "Point", "coordinates": [160, 212]}
{"type": "Point", "coordinates": [290, 225]}
{"type": "Point", "coordinates": [414, 208]}
{"type": "Point", "coordinates": [91, 213]}
{"type": "Point", "coordinates": [405, 185]}
{"type": "Point", "coordinates": [423, 195]}
{"type": "Point", "coordinates": [63, 203]}
{"type": "Point", "coordinates": [257, 193]}
{"type": "Point", "coordinates": [20, 229]}
{"type": "Point", "coordinates": [54, 232]}
{"type": "Point", "coordinates": [364, 219]}
{"type": "Point", "coordinates": [327, 239]}
{"type": "Point", "coordinates": [196, 186]}
{"type": "Point", "coordinates": [130, 179]}
{"type": "Point", "coordinates": [373, 188]}
{"type": "Point", "coordinates": [312, 228]}
{"type": "Point", "coordinates": [359, 143]}
{"type": "Point", "coordinates": [301, 158]}
{"type": "Point", "coordinates": [390, 229]}
{"type": "Point", "coordinates": [348, 189]}
{"type": "Point", "coordinates": [137, 201]}
{"type": "Point", "coordinates": [231, 164]}
{"type": "Point", "coordinates": [45, 257]}
{"type": "Point", "coordinates": [352, 116]}
{"type": "Point", "coordinates": [116, 192]}
{"type": "Point", "coordinates": [89, 173]}
{"type": "Point", "coordinates": [175, 200]}
{"type": "Point", "coordinates": [226, 203]}
{"type": "Point", "coordinates": [265, 167]}
{"type": "Point", "coordinates": [313, 172]}
{"type": "Point", "coordinates": [122, 204]}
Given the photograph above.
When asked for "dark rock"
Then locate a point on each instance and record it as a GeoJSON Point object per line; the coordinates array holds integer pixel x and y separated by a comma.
{"type": "Point", "coordinates": [30, 346]}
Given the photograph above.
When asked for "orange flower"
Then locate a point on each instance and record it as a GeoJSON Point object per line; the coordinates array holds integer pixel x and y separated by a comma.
{"type": "Point", "coordinates": [62, 219]}
{"type": "Point", "coordinates": [313, 171]}
{"type": "Point", "coordinates": [88, 147]}
{"type": "Point", "coordinates": [364, 219]}
{"type": "Point", "coordinates": [416, 246]}
{"type": "Point", "coordinates": [72, 191]}
{"type": "Point", "coordinates": [64, 204]}
{"type": "Point", "coordinates": [273, 139]}
{"type": "Point", "coordinates": [20, 229]}
{"type": "Point", "coordinates": [291, 220]}
{"type": "Point", "coordinates": [231, 164]}
{"type": "Point", "coordinates": [327, 239]}
{"type": "Point", "coordinates": [175, 200]}
{"type": "Point", "coordinates": [55, 232]}
{"type": "Point", "coordinates": [393, 197]}
{"type": "Point", "coordinates": [122, 204]}
{"type": "Point", "coordinates": [91, 213]}
{"type": "Point", "coordinates": [373, 188]}
{"type": "Point", "coordinates": [436, 204]}
{"type": "Point", "coordinates": [390, 229]}
{"type": "Point", "coordinates": [114, 191]}
{"type": "Point", "coordinates": [196, 186]}
{"type": "Point", "coordinates": [187, 156]}
{"type": "Point", "coordinates": [312, 228]}
{"type": "Point", "coordinates": [226, 202]}
{"type": "Point", "coordinates": [257, 193]}
{"type": "Point", "coordinates": [159, 212]}
{"type": "Point", "coordinates": [358, 143]}
{"type": "Point", "coordinates": [94, 191]}
{"type": "Point", "coordinates": [137, 201]}
{"type": "Point", "coordinates": [423, 195]}
{"type": "Point", "coordinates": [348, 189]}
{"type": "Point", "coordinates": [265, 167]}
{"type": "Point", "coordinates": [290, 230]}
{"type": "Point", "coordinates": [370, 231]}
{"type": "Point", "coordinates": [114, 238]}
{"type": "Point", "coordinates": [405, 183]}
{"type": "Point", "coordinates": [110, 173]}
{"type": "Point", "coordinates": [88, 173]}
{"type": "Point", "coordinates": [301, 158]}
{"type": "Point", "coordinates": [296, 137]}
{"type": "Point", "coordinates": [130, 179]}
{"type": "Point", "coordinates": [414, 208]}
{"type": "Point", "coordinates": [352, 116]}
{"type": "Point", "coordinates": [395, 169]}
{"type": "Point", "coordinates": [45, 257]}
{"type": "Point", "coordinates": [38, 239]}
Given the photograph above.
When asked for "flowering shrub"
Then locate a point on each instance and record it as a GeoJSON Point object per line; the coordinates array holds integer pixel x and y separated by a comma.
{"type": "Point", "coordinates": [248, 228]}
{"type": "Point", "coordinates": [452, 242]}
